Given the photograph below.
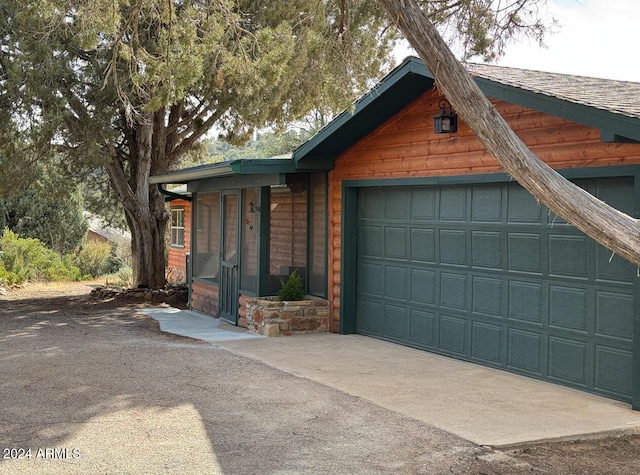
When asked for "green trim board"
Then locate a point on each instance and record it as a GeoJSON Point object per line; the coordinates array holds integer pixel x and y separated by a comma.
{"type": "Point", "coordinates": [257, 166]}
{"type": "Point", "coordinates": [349, 278]}
{"type": "Point", "coordinates": [236, 182]}
{"type": "Point", "coordinates": [392, 94]}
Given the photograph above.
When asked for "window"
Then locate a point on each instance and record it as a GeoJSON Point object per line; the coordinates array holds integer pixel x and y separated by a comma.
{"type": "Point", "coordinates": [177, 227]}
{"type": "Point", "coordinates": [318, 235]}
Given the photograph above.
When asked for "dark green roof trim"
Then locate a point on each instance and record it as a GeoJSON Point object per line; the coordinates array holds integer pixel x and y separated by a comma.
{"type": "Point", "coordinates": [255, 166]}
{"type": "Point", "coordinates": [397, 90]}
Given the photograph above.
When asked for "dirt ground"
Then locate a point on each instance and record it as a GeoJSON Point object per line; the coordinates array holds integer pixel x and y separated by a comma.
{"type": "Point", "coordinates": [94, 387]}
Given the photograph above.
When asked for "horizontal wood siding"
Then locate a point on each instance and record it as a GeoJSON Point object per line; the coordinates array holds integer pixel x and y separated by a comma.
{"type": "Point", "coordinates": [176, 259]}
{"type": "Point", "coordinates": [204, 298]}
{"type": "Point", "coordinates": [406, 147]}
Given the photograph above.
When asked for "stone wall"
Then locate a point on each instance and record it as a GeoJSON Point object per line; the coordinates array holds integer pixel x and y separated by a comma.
{"type": "Point", "coordinates": [272, 317]}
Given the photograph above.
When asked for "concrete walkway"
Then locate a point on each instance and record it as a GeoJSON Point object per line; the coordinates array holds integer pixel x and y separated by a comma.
{"type": "Point", "coordinates": [479, 404]}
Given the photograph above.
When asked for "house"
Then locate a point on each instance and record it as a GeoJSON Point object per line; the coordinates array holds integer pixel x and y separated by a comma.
{"type": "Point", "coordinates": [99, 232]}
{"type": "Point", "coordinates": [420, 238]}
{"type": "Point", "coordinates": [179, 233]}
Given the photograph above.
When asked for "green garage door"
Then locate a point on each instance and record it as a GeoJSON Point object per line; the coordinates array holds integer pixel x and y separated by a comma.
{"type": "Point", "coordinates": [484, 273]}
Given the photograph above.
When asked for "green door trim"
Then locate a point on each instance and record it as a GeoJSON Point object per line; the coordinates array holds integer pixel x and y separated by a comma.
{"type": "Point", "coordinates": [348, 255]}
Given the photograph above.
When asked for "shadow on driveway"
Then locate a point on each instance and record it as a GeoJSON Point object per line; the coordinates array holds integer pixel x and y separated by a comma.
{"type": "Point", "coordinates": [95, 388]}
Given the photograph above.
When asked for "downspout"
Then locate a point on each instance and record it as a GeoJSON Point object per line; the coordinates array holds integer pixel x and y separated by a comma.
{"type": "Point", "coordinates": [172, 196]}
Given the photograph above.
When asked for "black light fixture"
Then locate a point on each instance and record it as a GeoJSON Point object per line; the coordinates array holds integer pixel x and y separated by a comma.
{"type": "Point", "coordinates": [445, 122]}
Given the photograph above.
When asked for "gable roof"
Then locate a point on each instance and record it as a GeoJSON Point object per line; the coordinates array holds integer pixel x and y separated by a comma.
{"type": "Point", "coordinates": [611, 106]}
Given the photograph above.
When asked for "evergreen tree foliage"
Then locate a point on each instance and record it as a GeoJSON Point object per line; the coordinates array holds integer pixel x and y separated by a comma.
{"type": "Point", "coordinates": [133, 85]}
{"type": "Point", "coordinates": [266, 145]}
{"type": "Point", "coordinates": [49, 210]}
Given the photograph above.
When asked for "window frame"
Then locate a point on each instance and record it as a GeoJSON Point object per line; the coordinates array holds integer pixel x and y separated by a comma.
{"type": "Point", "coordinates": [176, 230]}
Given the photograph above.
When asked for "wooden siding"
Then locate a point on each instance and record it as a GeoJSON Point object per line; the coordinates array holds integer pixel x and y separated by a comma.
{"type": "Point", "coordinates": [204, 298]}
{"type": "Point", "coordinates": [176, 259]}
{"type": "Point", "coordinates": [406, 147]}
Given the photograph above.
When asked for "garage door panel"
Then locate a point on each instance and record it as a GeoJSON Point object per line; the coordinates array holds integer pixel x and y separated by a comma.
{"type": "Point", "coordinates": [612, 268]}
{"type": "Point", "coordinates": [423, 245]}
{"type": "Point", "coordinates": [612, 315]}
{"type": "Point", "coordinates": [615, 192]}
{"type": "Point", "coordinates": [525, 351]}
{"type": "Point", "coordinates": [396, 322]}
{"type": "Point", "coordinates": [453, 335]}
{"type": "Point", "coordinates": [423, 286]}
{"type": "Point", "coordinates": [424, 203]}
{"type": "Point", "coordinates": [486, 204]}
{"type": "Point", "coordinates": [568, 256]}
{"type": "Point", "coordinates": [453, 290]}
{"type": "Point", "coordinates": [487, 296]}
{"type": "Point", "coordinates": [371, 204]}
{"type": "Point", "coordinates": [568, 360]}
{"type": "Point", "coordinates": [396, 282]}
{"type": "Point", "coordinates": [453, 204]}
{"type": "Point", "coordinates": [525, 252]}
{"type": "Point", "coordinates": [568, 308]}
{"type": "Point", "coordinates": [370, 242]}
{"type": "Point", "coordinates": [522, 207]}
{"type": "Point", "coordinates": [369, 282]}
{"type": "Point", "coordinates": [395, 243]}
{"type": "Point", "coordinates": [526, 301]}
{"type": "Point", "coordinates": [453, 247]}
{"type": "Point", "coordinates": [371, 321]}
{"type": "Point", "coordinates": [486, 250]}
{"type": "Point", "coordinates": [396, 204]}
{"type": "Point", "coordinates": [424, 329]}
{"type": "Point", "coordinates": [613, 371]}
{"type": "Point", "coordinates": [486, 342]}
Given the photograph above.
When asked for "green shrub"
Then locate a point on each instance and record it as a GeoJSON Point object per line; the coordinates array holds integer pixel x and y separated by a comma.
{"type": "Point", "coordinates": [28, 259]}
{"type": "Point", "coordinates": [121, 255]}
{"type": "Point", "coordinates": [94, 259]}
{"type": "Point", "coordinates": [292, 289]}
{"type": "Point", "coordinates": [122, 278]}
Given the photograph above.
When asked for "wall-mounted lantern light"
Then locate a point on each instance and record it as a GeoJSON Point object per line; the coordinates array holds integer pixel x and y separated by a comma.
{"type": "Point", "coordinates": [445, 122]}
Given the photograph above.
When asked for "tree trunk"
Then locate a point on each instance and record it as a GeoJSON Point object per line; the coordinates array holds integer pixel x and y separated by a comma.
{"type": "Point", "coordinates": [148, 244]}
{"type": "Point", "coordinates": [143, 205]}
{"type": "Point", "coordinates": [606, 225]}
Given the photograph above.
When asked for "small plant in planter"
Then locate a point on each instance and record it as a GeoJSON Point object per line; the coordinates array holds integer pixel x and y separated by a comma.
{"type": "Point", "coordinates": [292, 289]}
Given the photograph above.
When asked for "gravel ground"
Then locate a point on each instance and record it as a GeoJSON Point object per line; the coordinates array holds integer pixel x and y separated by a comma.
{"type": "Point", "coordinates": [94, 388]}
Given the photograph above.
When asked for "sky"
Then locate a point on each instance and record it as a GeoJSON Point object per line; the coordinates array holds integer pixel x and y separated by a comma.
{"type": "Point", "coordinates": [598, 38]}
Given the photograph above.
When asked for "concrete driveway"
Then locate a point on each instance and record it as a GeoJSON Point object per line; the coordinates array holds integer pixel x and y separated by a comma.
{"type": "Point", "coordinates": [479, 404]}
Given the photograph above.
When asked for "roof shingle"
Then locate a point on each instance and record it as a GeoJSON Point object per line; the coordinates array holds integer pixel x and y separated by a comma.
{"type": "Point", "coordinates": [618, 97]}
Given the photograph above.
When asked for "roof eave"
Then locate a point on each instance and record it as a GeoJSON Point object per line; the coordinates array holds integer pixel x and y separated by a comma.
{"type": "Point", "coordinates": [226, 169]}
{"type": "Point", "coordinates": [392, 94]}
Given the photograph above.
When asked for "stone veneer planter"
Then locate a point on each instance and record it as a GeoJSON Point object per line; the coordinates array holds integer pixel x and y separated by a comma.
{"type": "Point", "coordinates": [270, 316]}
